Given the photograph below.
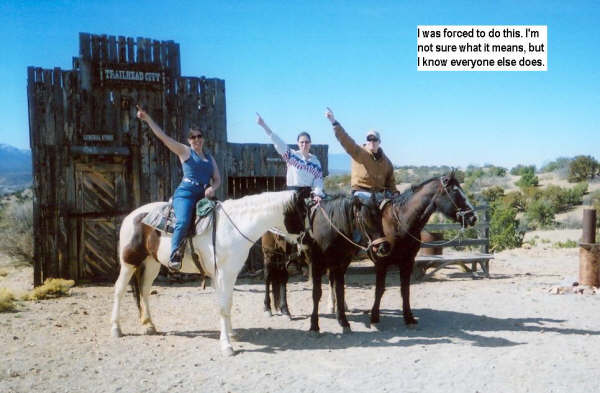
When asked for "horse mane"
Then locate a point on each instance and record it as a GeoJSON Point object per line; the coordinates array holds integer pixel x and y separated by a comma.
{"type": "Point", "coordinates": [338, 208]}
{"type": "Point", "coordinates": [402, 198]}
{"type": "Point", "coordinates": [258, 202]}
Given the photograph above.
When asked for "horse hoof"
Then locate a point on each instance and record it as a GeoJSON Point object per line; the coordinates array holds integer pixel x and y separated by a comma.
{"type": "Point", "coordinates": [227, 351]}
{"type": "Point", "coordinates": [150, 331]}
{"type": "Point", "coordinates": [346, 330]}
{"type": "Point", "coordinates": [268, 313]}
{"type": "Point", "coordinates": [116, 332]}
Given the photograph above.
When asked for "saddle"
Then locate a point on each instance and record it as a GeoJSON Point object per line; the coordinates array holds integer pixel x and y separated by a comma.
{"type": "Point", "coordinates": [163, 218]}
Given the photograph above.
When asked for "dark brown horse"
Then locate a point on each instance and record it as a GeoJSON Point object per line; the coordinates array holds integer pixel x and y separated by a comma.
{"type": "Point", "coordinates": [403, 220]}
{"type": "Point", "coordinates": [339, 228]}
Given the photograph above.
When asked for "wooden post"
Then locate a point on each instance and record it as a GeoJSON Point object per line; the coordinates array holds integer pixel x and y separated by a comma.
{"type": "Point", "coordinates": [589, 251]}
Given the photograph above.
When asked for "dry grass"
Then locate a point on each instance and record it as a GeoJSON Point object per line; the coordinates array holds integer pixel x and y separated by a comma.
{"type": "Point", "coordinates": [52, 288]}
{"type": "Point", "coordinates": [6, 300]}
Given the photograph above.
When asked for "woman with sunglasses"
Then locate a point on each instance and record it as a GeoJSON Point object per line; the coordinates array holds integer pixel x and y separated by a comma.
{"type": "Point", "coordinates": [304, 171]}
{"type": "Point", "coordinates": [371, 171]}
{"type": "Point", "coordinates": [201, 179]}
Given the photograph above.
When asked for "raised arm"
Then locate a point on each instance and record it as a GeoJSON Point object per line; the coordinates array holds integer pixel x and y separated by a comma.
{"type": "Point", "coordinates": [280, 145]}
{"type": "Point", "coordinates": [180, 149]}
{"type": "Point", "coordinates": [352, 148]}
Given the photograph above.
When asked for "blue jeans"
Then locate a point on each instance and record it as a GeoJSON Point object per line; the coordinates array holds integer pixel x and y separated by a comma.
{"type": "Point", "coordinates": [184, 202]}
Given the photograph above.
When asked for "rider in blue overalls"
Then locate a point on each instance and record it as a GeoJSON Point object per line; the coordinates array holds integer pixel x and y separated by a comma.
{"type": "Point", "coordinates": [201, 179]}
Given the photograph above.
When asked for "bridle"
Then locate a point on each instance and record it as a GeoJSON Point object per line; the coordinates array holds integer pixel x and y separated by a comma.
{"type": "Point", "coordinates": [460, 215]}
{"type": "Point", "coordinates": [360, 224]}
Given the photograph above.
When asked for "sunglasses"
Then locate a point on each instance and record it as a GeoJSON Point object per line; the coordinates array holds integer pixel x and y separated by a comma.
{"type": "Point", "coordinates": [372, 138]}
{"type": "Point", "coordinates": [197, 136]}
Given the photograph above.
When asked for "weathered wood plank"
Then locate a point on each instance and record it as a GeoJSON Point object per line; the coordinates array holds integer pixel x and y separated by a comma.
{"type": "Point", "coordinates": [85, 49]}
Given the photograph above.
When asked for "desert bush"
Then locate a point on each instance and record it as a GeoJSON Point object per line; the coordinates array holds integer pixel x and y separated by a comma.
{"type": "Point", "coordinates": [492, 194]}
{"type": "Point", "coordinates": [540, 213]}
{"type": "Point", "coordinates": [595, 203]}
{"type": "Point", "coordinates": [519, 170]}
{"type": "Point", "coordinates": [337, 183]}
{"type": "Point", "coordinates": [52, 288]}
{"type": "Point", "coordinates": [516, 200]}
{"type": "Point", "coordinates": [528, 178]}
{"type": "Point", "coordinates": [6, 300]}
{"type": "Point", "coordinates": [559, 163]}
{"type": "Point", "coordinates": [583, 168]}
{"type": "Point", "coordinates": [566, 244]}
{"type": "Point", "coordinates": [16, 230]}
{"type": "Point", "coordinates": [504, 227]}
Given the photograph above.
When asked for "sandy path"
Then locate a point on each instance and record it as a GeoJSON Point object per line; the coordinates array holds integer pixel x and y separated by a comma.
{"type": "Point", "coordinates": [504, 334]}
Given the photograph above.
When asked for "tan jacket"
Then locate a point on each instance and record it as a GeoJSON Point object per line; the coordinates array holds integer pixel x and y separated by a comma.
{"type": "Point", "coordinates": [368, 172]}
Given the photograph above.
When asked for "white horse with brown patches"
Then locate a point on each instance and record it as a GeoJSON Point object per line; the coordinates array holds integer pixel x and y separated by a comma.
{"type": "Point", "coordinates": [142, 250]}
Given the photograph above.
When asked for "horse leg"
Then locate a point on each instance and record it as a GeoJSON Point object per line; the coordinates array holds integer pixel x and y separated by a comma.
{"type": "Point", "coordinates": [147, 278]}
{"type": "Point", "coordinates": [120, 287]}
{"type": "Point", "coordinates": [268, 281]}
{"type": "Point", "coordinates": [380, 273]}
{"type": "Point", "coordinates": [316, 295]}
{"type": "Point", "coordinates": [332, 302]}
{"type": "Point", "coordinates": [405, 273]}
{"type": "Point", "coordinates": [339, 294]}
{"type": "Point", "coordinates": [283, 306]}
{"type": "Point", "coordinates": [224, 292]}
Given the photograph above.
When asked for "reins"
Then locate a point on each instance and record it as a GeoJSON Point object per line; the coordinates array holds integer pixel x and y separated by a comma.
{"type": "Point", "coordinates": [362, 228]}
{"type": "Point", "coordinates": [219, 204]}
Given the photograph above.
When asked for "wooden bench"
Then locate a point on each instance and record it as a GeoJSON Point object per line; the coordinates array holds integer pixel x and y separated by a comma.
{"type": "Point", "coordinates": [468, 262]}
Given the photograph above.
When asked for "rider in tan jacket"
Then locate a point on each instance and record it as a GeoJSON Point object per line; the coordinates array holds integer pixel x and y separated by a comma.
{"type": "Point", "coordinates": [372, 171]}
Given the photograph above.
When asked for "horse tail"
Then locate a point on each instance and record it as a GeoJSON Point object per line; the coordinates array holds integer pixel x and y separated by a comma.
{"type": "Point", "coordinates": [136, 284]}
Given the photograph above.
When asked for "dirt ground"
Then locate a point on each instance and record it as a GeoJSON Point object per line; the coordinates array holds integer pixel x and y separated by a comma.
{"type": "Point", "coordinates": [503, 334]}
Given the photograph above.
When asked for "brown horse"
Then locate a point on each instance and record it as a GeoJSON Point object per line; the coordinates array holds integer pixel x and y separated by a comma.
{"type": "Point", "coordinates": [278, 254]}
{"type": "Point", "coordinates": [403, 220]}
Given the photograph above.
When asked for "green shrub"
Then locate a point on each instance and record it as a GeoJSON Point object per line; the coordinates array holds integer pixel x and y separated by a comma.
{"type": "Point", "coordinates": [337, 183]}
{"type": "Point", "coordinates": [528, 178]}
{"type": "Point", "coordinates": [566, 244]}
{"type": "Point", "coordinates": [504, 227]}
{"type": "Point", "coordinates": [583, 168]}
{"type": "Point", "coordinates": [540, 213]}
{"type": "Point", "coordinates": [492, 194]}
{"type": "Point", "coordinates": [516, 200]}
{"type": "Point", "coordinates": [559, 163]}
{"type": "Point", "coordinates": [519, 170]}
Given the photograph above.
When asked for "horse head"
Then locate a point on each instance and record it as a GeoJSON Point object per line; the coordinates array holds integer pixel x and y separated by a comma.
{"type": "Point", "coordinates": [453, 202]}
{"type": "Point", "coordinates": [368, 218]}
{"type": "Point", "coordinates": [295, 213]}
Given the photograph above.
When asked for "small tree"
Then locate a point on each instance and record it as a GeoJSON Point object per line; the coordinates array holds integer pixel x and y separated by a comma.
{"type": "Point", "coordinates": [528, 178]}
{"type": "Point", "coordinates": [492, 194]}
{"type": "Point", "coordinates": [504, 232]}
{"type": "Point", "coordinates": [583, 168]}
{"type": "Point", "coordinates": [540, 213]}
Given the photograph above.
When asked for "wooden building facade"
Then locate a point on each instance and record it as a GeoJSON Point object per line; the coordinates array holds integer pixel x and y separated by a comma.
{"type": "Point", "coordinates": [94, 161]}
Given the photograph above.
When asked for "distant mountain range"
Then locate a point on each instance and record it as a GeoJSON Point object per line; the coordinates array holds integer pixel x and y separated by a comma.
{"type": "Point", "coordinates": [15, 168]}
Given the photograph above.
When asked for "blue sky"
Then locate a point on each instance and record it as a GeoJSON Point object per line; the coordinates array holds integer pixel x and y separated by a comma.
{"type": "Point", "coordinates": [289, 60]}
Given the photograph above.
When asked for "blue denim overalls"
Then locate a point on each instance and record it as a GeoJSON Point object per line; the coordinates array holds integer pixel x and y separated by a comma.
{"type": "Point", "coordinates": [196, 178]}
